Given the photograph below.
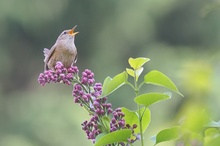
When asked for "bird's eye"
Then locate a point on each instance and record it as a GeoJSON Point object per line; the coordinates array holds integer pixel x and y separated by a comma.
{"type": "Point", "coordinates": [65, 32]}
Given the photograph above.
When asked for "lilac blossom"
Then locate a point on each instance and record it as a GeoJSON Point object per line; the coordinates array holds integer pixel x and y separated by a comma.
{"type": "Point", "coordinates": [59, 75]}
{"type": "Point", "coordinates": [87, 94]}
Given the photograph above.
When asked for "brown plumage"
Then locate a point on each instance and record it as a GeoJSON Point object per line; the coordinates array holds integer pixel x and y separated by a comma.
{"type": "Point", "coordinates": [64, 50]}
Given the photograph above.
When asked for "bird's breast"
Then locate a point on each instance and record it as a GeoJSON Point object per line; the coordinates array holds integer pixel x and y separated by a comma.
{"type": "Point", "coordinates": [67, 47]}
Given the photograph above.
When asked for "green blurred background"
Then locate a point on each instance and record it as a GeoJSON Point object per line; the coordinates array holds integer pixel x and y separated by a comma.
{"type": "Point", "coordinates": [182, 39]}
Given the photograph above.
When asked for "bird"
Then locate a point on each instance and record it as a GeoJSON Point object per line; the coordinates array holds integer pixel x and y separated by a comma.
{"type": "Point", "coordinates": [64, 50]}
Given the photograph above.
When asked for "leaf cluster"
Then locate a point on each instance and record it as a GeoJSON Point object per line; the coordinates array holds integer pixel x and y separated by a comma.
{"type": "Point", "coordinates": [142, 116]}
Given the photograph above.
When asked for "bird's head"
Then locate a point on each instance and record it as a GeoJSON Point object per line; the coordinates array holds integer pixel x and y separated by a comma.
{"type": "Point", "coordinates": [68, 34]}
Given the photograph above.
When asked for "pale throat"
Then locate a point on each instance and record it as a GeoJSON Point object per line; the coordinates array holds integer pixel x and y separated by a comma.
{"type": "Point", "coordinates": [69, 45]}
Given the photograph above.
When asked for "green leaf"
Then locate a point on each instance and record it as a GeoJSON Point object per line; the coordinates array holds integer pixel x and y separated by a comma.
{"type": "Point", "coordinates": [137, 62]}
{"type": "Point", "coordinates": [151, 98]}
{"type": "Point", "coordinates": [135, 73]}
{"type": "Point", "coordinates": [211, 132]}
{"type": "Point", "coordinates": [167, 135]}
{"type": "Point", "coordinates": [138, 72]}
{"type": "Point", "coordinates": [195, 118]}
{"type": "Point", "coordinates": [130, 72]}
{"type": "Point", "coordinates": [113, 137]}
{"type": "Point", "coordinates": [157, 78]}
{"type": "Point", "coordinates": [105, 84]}
{"type": "Point", "coordinates": [131, 118]}
{"type": "Point", "coordinates": [146, 118]}
{"type": "Point", "coordinates": [213, 124]}
{"type": "Point", "coordinates": [215, 141]}
{"type": "Point", "coordinates": [106, 122]}
{"type": "Point", "coordinates": [111, 85]}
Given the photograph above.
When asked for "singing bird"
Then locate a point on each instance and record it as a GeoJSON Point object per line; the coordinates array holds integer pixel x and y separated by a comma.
{"type": "Point", "coordinates": [64, 50]}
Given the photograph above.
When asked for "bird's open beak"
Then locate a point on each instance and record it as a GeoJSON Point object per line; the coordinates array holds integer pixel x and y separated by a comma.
{"type": "Point", "coordinates": [72, 31]}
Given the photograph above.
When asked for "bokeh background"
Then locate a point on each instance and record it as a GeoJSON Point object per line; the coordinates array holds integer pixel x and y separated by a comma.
{"type": "Point", "coordinates": [182, 39]}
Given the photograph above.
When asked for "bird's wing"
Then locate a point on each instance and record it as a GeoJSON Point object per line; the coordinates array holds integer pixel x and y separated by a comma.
{"type": "Point", "coordinates": [48, 53]}
{"type": "Point", "coordinates": [75, 59]}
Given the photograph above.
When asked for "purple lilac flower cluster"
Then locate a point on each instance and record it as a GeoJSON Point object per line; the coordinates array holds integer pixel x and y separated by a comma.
{"type": "Point", "coordinates": [87, 77]}
{"type": "Point", "coordinates": [117, 121]}
{"type": "Point", "coordinates": [87, 93]}
{"type": "Point", "coordinates": [58, 75]}
{"type": "Point", "coordinates": [98, 108]}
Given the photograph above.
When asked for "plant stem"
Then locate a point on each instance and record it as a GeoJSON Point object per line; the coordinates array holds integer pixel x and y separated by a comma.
{"type": "Point", "coordinates": [140, 123]}
{"type": "Point", "coordinates": [139, 109]}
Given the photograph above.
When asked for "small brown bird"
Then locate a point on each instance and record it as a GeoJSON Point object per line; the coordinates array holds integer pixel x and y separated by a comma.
{"type": "Point", "coordinates": [64, 50]}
